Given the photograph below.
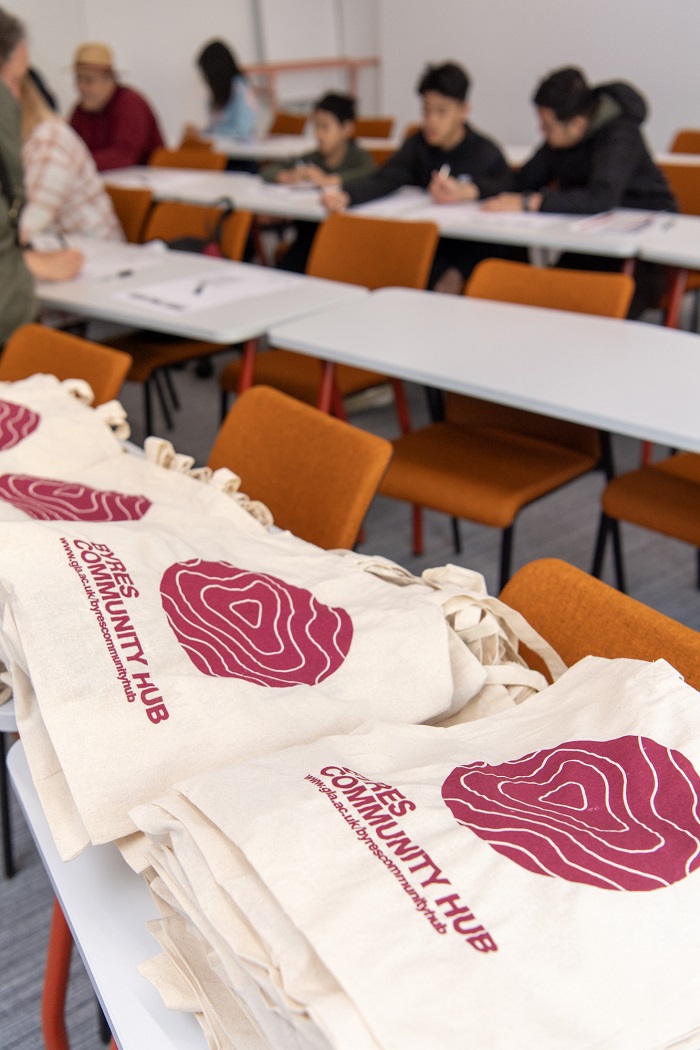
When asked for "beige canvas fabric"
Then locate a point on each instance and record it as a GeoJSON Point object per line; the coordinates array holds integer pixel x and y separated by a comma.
{"type": "Point", "coordinates": [488, 873]}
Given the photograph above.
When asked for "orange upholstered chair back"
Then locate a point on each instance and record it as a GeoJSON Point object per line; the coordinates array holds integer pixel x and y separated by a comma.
{"type": "Point", "coordinates": [169, 220]}
{"type": "Point", "coordinates": [35, 348]}
{"type": "Point", "coordinates": [374, 127]}
{"type": "Point", "coordinates": [287, 123]}
{"type": "Point", "coordinates": [189, 157]}
{"type": "Point", "coordinates": [375, 253]}
{"type": "Point", "coordinates": [581, 291]}
{"type": "Point", "coordinates": [132, 205]}
{"type": "Point", "coordinates": [581, 616]}
{"type": "Point", "coordinates": [234, 234]}
{"type": "Point", "coordinates": [684, 180]}
{"type": "Point", "coordinates": [687, 140]}
{"type": "Point", "coordinates": [317, 474]}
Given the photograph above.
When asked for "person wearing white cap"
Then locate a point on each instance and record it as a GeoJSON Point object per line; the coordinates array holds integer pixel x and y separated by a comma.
{"type": "Point", "coordinates": [116, 123]}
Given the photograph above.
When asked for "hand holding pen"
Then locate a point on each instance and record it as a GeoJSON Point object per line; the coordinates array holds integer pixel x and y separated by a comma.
{"type": "Point", "coordinates": [444, 189]}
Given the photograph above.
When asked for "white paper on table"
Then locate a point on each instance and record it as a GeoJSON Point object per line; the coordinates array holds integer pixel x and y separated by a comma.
{"type": "Point", "coordinates": [621, 222]}
{"type": "Point", "coordinates": [202, 291]}
{"type": "Point", "coordinates": [403, 202]}
{"type": "Point", "coordinates": [473, 215]}
{"type": "Point", "coordinates": [119, 261]}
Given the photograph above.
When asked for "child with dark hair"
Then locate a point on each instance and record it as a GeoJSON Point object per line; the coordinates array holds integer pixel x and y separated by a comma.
{"type": "Point", "coordinates": [336, 160]}
{"type": "Point", "coordinates": [449, 158]}
{"type": "Point", "coordinates": [231, 107]}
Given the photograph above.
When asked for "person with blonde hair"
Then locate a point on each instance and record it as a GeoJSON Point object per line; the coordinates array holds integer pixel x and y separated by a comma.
{"type": "Point", "coordinates": [64, 192]}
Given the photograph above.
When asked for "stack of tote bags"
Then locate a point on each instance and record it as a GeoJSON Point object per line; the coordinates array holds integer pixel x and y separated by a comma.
{"type": "Point", "coordinates": [241, 712]}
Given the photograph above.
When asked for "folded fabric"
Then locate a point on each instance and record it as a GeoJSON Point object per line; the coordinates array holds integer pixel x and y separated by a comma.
{"type": "Point", "coordinates": [155, 653]}
{"type": "Point", "coordinates": [531, 879]}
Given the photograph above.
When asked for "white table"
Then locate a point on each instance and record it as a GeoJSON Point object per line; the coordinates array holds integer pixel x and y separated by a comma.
{"type": "Point", "coordinates": [280, 147]}
{"type": "Point", "coordinates": [623, 376]}
{"type": "Point", "coordinates": [106, 906]}
{"type": "Point", "coordinates": [264, 296]}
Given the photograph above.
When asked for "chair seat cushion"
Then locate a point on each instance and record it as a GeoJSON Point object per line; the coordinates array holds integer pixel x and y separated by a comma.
{"type": "Point", "coordinates": [664, 497]}
{"type": "Point", "coordinates": [482, 474]}
{"type": "Point", "coordinates": [299, 375]}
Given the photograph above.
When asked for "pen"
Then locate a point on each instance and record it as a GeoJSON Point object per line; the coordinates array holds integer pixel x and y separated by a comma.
{"type": "Point", "coordinates": [119, 273]}
{"type": "Point", "coordinates": [444, 172]}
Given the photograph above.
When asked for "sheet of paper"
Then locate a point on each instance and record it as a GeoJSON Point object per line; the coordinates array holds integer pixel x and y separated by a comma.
{"type": "Point", "coordinates": [207, 289]}
{"type": "Point", "coordinates": [150, 179]}
{"type": "Point", "coordinates": [403, 202]}
{"type": "Point", "coordinates": [621, 222]}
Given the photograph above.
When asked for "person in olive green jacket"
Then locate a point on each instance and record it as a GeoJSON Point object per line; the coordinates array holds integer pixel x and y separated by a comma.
{"type": "Point", "coordinates": [19, 264]}
{"type": "Point", "coordinates": [338, 159]}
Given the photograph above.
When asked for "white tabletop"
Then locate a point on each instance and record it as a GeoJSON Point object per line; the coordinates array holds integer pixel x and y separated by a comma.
{"type": "Point", "coordinates": [678, 244]}
{"type": "Point", "coordinates": [187, 294]}
{"type": "Point", "coordinates": [107, 906]}
{"type": "Point", "coordinates": [280, 147]}
{"type": "Point", "coordinates": [624, 376]}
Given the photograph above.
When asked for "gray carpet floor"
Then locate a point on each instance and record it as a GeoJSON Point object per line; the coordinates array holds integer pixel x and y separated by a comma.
{"type": "Point", "coordinates": [661, 573]}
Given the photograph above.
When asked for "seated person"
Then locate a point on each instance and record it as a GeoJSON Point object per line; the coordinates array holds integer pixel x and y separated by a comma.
{"type": "Point", "coordinates": [115, 122]}
{"type": "Point", "coordinates": [64, 193]}
{"type": "Point", "coordinates": [17, 265]}
{"type": "Point", "coordinates": [231, 101]}
{"type": "Point", "coordinates": [448, 158]}
{"type": "Point", "coordinates": [336, 160]}
{"type": "Point", "coordinates": [594, 158]}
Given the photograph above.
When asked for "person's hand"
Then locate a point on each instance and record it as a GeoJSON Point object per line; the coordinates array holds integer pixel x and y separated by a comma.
{"type": "Point", "coordinates": [319, 177]}
{"type": "Point", "coordinates": [446, 190]}
{"type": "Point", "coordinates": [335, 199]}
{"type": "Point", "coordinates": [54, 266]}
{"type": "Point", "coordinates": [288, 176]}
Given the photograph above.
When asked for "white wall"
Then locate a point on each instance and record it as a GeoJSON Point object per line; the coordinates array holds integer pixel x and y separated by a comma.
{"type": "Point", "coordinates": [508, 45]}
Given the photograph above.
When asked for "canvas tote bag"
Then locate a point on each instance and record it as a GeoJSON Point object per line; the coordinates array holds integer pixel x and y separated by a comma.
{"type": "Point", "coordinates": [531, 879]}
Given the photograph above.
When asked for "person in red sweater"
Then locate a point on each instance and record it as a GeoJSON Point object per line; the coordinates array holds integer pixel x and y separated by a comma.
{"type": "Point", "coordinates": [116, 123]}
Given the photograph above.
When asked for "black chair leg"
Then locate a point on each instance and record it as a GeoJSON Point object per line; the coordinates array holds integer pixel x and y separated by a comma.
{"type": "Point", "coordinates": [147, 408]}
{"type": "Point", "coordinates": [105, 1032]}
{"type": "Point", "coordinates": [600, 543]}
{"type": "Point", "coordinates": [8, 859]}
{"type": "Point", "coordinates": [172, 390]}
{"type": "Point", "coordinates": [162, 400]}
{"type": "Point", "coordinates": [617, 555]}
{"type": "Point", "coordinates": [456, 536]}
{"type": "Point", "coordinates": [224, 404]}
{"type": "Point", "coordinates": [506, 555]}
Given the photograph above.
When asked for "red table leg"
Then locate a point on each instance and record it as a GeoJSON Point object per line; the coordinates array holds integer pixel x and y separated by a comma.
{"type": "Point", "coordinates": [248, 367]}
{"type": "Point", "coordinates": [56, 982]}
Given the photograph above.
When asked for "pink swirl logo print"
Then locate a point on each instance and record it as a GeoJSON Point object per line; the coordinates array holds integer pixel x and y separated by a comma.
{"type": "Point", "coordinates": [233, 623]}
{"type": "Point", "coordinates": [16, 423]}
{"type": "Point", "coordinates": [619, 814]}
{"type": "Point", "coordinates": [49, 500]}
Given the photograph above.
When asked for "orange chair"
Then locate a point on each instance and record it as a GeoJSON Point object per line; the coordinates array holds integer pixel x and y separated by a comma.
{"type": "Point", "coordinates": [35, 348]}
{"type": "Point", "coordinates": [381, 155]}
{"type": "Point", "coordinates": [687, 140]}
{"type": "Point", "coordinates": [412, 129]}
{"type": "Point", "coordinates": [374, 127]}
{"type": "Point", "coordinates": [318, 475]}
{"type": "Point", "coordinates": [152, 353]}
{"type": "Point", "coordinates": [580, 616]}
{"type": "Point", "coordinates": [188, 157]}
{"type": "Point", "coordinates": [132, 205]}
{"type": "Point", "coordinates": [374, 253]}
{"type": "Point", "coordinates": [288, 123]}
{"type": "Point", "coordinates": [663, 497]}
{"type": "Point", "coordinates": [485, 462]}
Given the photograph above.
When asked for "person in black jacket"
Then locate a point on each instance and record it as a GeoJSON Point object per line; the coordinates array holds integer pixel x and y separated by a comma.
{"type": "Point", "coordinates": [448, 158]}
{"type": "Point", "coordinates": [594, 158]}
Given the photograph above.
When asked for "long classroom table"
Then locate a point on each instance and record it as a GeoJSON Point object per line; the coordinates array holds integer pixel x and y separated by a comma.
{"type": "Point", "coordinates": [626, 377]}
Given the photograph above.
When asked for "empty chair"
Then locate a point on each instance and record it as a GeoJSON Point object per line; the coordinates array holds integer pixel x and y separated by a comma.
{"type": "Point", "coordinates": [284, 123]}
{"type": "Point", "coordinates": [663, 497]}
{"type": "Point", "coordinates": [188, 157]}
{"type": "Point", "coordinates": [374, 127]}
{"type": "Point", "coordinates": [687, 140]}
{"type": "Point", "coordinates": [580, 616]}
{"type": "Point", "coordinates": [318, 475]}
{"type": "Point", "coordinates": [485, 462]}
{"type": "Point", "coordinates": [152, 352]}
{"type": "Point", "coordinates": [35, 348]}
{"type": "Point", "coordinates": [374, 253]}
{"type": "Point", "coordinates": [132, 205]}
